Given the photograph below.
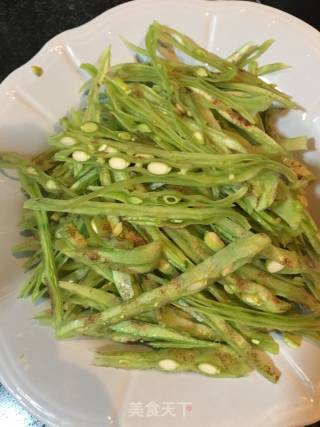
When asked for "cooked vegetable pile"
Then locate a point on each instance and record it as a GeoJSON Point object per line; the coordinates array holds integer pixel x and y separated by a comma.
{"type": "Point", "coordinates": [170, 212]}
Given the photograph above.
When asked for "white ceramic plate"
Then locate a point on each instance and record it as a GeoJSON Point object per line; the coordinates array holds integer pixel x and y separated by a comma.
{"type": "Point", "coordinates": [54, 380]}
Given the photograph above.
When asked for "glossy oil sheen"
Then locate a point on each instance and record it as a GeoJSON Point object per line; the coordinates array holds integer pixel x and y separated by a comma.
{"type": "Point", "coordinates": [54, 379]}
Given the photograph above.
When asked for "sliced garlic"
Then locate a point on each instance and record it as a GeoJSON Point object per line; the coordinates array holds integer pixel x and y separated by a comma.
{"type": "Point", "coordinates": [32, 171]}
{"type": "Point", "coordinates": [80, 156]}
{"type": "Point", "coordinates": [118, 163]}
{"type": "Point", "coordinates": [198, 136]}
{"type": "Point", "coordinates": [51, 185]}
{"type": "Point", "coordinates": [201, 72]}
{"type": "Point", "coordinates": [89, 127]}
{"type": "Point", "coordinates": [274, 266]}
{"type": "Point", "coordinates": [103, 147]}
{"type": "Point", "coordinates": [209, 369]}
{"type": "Point", "coordinates": [168, 364]}
{"type": "Point", "coordinates": [68, 141]}
{"type": "Point", "coordinates": [158, 168]}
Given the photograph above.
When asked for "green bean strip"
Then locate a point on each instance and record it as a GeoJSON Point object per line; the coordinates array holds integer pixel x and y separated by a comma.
{"type": "Point", "coordinates": [49, 272]}
{"type": "Point", "coordinates": [193, 280]}
{"type": "Point", "coordinates": [218, 362]}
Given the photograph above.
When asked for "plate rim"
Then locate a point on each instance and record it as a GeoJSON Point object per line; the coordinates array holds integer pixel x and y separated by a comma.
{"type": "Point", "coordinates": [132, 3]}
{"type": "Point", "coordinates": [18, 76]}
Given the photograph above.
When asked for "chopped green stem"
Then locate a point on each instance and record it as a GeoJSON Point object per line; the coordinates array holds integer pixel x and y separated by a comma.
{"type": "Point", "coordinates": [50, 274]}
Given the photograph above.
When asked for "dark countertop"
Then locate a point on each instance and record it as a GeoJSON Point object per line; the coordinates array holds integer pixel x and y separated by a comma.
{"type": "Point", "coordinates": [30, 23]}
{"type": "Point", "coordinates": [25, 25]}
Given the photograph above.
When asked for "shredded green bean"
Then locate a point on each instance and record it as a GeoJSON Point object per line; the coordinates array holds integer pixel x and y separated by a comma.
{"type": "Point", "coordinates": [169, 211]}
